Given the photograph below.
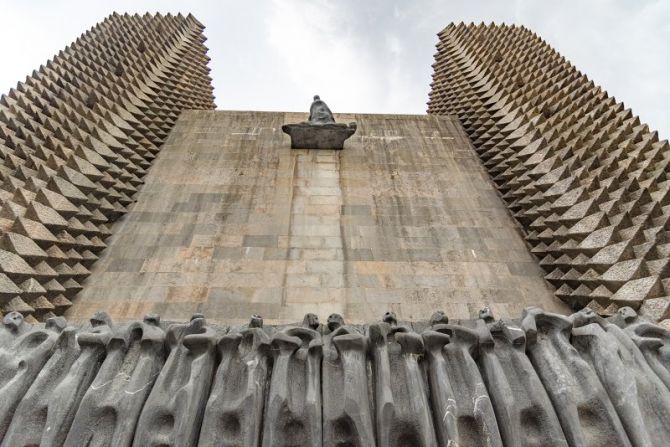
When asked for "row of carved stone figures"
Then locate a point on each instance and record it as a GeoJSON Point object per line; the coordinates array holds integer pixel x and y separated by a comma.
{"type": "Point", "coordinates": [545, 380]}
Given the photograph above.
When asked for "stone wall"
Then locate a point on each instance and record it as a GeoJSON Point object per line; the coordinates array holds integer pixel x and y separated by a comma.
{"type": "Point", "coordinates": [586, 181]}
{"type": "Point", "coordinates": [231, 222]}
{"type": "Point", "coordinates": [76, 140]}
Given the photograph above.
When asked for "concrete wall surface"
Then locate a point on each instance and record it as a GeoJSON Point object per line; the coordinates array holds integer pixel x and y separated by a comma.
{"type": "Point", "coordinates": [233, 222]}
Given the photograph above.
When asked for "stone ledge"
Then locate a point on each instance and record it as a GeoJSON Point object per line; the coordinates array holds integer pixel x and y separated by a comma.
{"type": "Point", "coordinates": [319, 136]}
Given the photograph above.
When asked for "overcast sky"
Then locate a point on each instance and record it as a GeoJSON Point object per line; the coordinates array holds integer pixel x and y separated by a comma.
{"type": "Point", "coordinates": [365, 55]}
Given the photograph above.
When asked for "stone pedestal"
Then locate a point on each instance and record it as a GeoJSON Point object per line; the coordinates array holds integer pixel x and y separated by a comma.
{"type": "Point", "coordinates": [319, 136]}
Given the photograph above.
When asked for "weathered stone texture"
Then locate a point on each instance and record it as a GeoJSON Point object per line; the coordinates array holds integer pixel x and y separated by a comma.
{"type": "Point", "coordinates": [585, 380]}
{"type": "Point", "coordinates": [76, 139]}
{"type": "Point", "coordinates": [231, 221]}
{"type": "Point", "coordinates": [586, 181]}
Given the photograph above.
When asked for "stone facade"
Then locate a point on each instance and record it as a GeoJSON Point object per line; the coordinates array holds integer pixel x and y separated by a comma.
{"type": "Point", "coordinates": [76, 140]}
{"type": "Point", "coordinates": [232, 222]}
{"type": "Point", "coordinates": [586, 181]}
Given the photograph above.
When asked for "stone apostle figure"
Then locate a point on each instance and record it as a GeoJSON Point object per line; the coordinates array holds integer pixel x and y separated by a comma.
{"type": "Point", "coordinates": [320, 131]}
{"type": "Point", "coordinates": [319, 113]}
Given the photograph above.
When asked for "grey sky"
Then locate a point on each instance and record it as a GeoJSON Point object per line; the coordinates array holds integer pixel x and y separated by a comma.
{"type": "Point", "coordinates": [366, 55]}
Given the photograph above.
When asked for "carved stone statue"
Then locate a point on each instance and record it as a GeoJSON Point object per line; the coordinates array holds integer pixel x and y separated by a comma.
{"type": "Point", "coordinates": [13, 325]}
{"type": "Point", "coordinates": [347, 416]}
{"type": "Point", "coordinates": [319, 112]}
{"type": "Point", "coordinates": [22, 360]}
{"type": "Point", "coordinates": [402, 409]}
{"type": "Point", "coordinates": [460, 396]}
{"type": "Point", "coordinates": [293, 412]}
{"type": "Point", "coordinates": [652, 340]}
{"type": "Point", "coordinates": [320, 131]}
{"type": "Point", "coordinates": [174, 410]}
{"type": "Point", "coordinates": [639, 396]}
{"type": "Point", "coordinates": [234, 411]}
{"type": "Point", "coordinates": [581, 403]}
{"type": "Point", "coordinates": [69, 392]}
{"type": "Point", "coordinates": [113, 402]}
{"type": "Point", "coordinates": [30, 418]}
{"type": "Point", "coordinates": [524, 412]}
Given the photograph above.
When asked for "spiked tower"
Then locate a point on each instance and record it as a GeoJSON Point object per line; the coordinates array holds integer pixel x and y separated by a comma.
{"type": "Point", "coordinates": [76, 139]}
{"type": "Point", "coordinates": [586, 181]}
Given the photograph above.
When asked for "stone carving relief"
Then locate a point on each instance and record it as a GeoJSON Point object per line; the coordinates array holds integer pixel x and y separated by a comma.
{"type": "Point", "coordinates": [110, 408]}
{"type": "Point", "coordinates": [234, 411]}
{"type": "Point", "coordinates": [175, 407]}
{"type": "Point", "coordinates": [523, 409]}
{"type": "Point", "coordinates": [24, 352]}
{"type": "Point", "coordinates": [460, 397]}
{"type": "Point", "coordinates": [347, 412]}
{"type": "Point", "coordinates": [581, 403]}
{"type": "Point", "coordinates": [652, 340]}
{"type": "Point", "coordinates": [639, 396]}
{"type": "Point", "coordinates": [293, 413]}
{"type": "Point", "coordinates": [543, 380]}
{"type": "Point", "coordinates": [402, 409]}
{"type": "Point", "coordinates": [40, 403]}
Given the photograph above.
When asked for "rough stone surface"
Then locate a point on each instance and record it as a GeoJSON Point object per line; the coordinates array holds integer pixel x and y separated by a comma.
{"type": "Point", "coordinates": [584, 380]}
{"type": "Point", "coordinates": [586, 181]}
{"type": "Point", "coordinates": [405, 220]}
{"type": "Point", "coordinates": [231, 222]}
{"type": "Point", "coordinates": [656, 309]}
{"type": "Point", "coordinates": [76, 139]}
{"type": "Point", "coordinates": [580, 400]}
{"type": "Point", "coordinates": [640, 397]}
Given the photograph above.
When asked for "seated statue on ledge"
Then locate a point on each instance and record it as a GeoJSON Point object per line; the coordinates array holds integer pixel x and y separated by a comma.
{"type": "Point", "coordinates": [319, 112]}
{"type": "Point", "coordinates": [320, 131]}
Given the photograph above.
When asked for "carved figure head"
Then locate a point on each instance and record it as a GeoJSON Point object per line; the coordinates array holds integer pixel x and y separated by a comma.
{"type": "Point", "coordinates": [319, 113]}
{"type": "Point", "coordinates": [152, 319]}
{"type": "Point", "coordinates": [197, 323]}
{"type": "Point", "coordinates": [311, 321]}
{"type": "Point", "coordinates": [101, 318]}
{"type": "Point", "coordinates": [486, 314]}
{"type": "Point", "coordinates": [56, 324]}
{"type": "Point", "coordinates": [439, 317]}
{"type": "Point", "coordinates": [390, 318]}
{"type": "Point", "coordinates": [13, 321]}
{"type": "Point", "coordinates": [583, 317]}
{"type": "Point", "coordinates": [628, 314]}
{"type": "Point", "coordinates": [335, 321]}
{"type": "Point", "coordinates": [256, 321]}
